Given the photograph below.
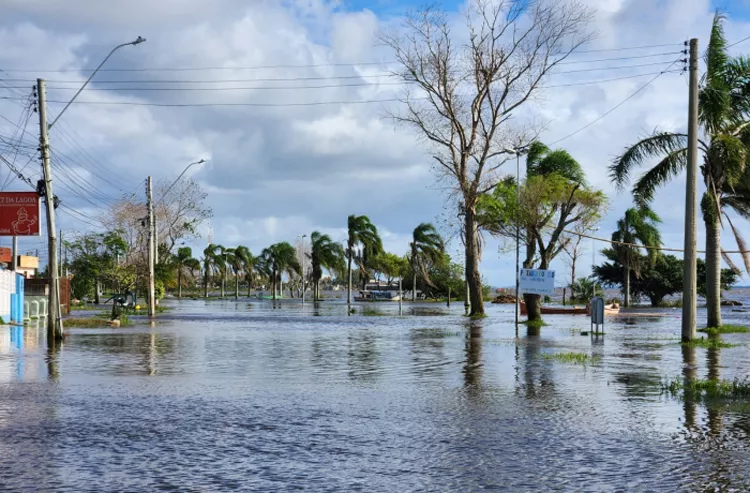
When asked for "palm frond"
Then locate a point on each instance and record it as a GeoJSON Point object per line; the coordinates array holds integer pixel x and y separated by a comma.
{"type": "Point", "coordinates": [741, 243]}
{"type": "Point", "coordinates": [655, 145]}
{"type": "Point", "coordinates": [730, 262]}
{"type": "Point", "coordinates": [668, 168]}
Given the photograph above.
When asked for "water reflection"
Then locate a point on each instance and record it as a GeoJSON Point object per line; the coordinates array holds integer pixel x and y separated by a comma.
{"type": "Point", "coordinates": [473, 365]}
{"type": "Point", "coordinates": [396, 403]}
{"type": "Point", "coordinates": [689, 372]}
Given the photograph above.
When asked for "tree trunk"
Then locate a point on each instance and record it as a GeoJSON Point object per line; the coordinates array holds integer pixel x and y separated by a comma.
{"type": "Point", "coordinates": [349, 277]}
{"type": "Point", "coordinates": [223, 281]}
{"type": "Point", "coordinates": [626, 285]}
{"type": "Point", "coordinates": [205, 284]}
{"type": "Point", "coordinates": [96, 292]}
{"type": "Point", "coordinates": [273, 284]}
{"type": "Point", "coordinates": [713, 272]}
{"type": "Point", "coordinates": [236, 287]}
{"type": "Point", "coordinates": [249, 288]}
{"type": "Point", "coordinates": [533, 307]}
{"type": "Point", "coordinates": [179, 282]}
{"type": "Point", "coordinates": [473, 277]}
{"type": "Point", "coordinates": [573, 271]}
{"type": "Point", "coordinates": [414, 287]}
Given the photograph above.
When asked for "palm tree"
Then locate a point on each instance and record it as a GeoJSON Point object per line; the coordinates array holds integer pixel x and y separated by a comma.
{"type": "Point", "coordinates": [210, 256]}
{"type": "Point", "coordinates": [280, 258]}
{"type": "Point", "coordinates": [251, 268]}
{"type": "Point", "coordinates": [427, 247]}
{"type": "Point", "coordinates": [361, 232]}
{"type": "Point", "coordinates": [221, 263]}
{"type": "Point", "coordinates": [325, 254]}
{"type": "Point", "coordinates": [183, 260]}
{"type": "Point", "coordinates": [723, 111]}
{"type": "Point", "coordinates": [637, 226]}
{"type": "Point", "coordinates": [238, 261]}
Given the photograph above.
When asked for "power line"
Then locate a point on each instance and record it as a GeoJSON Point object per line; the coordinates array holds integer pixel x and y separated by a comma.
{"type": "Point", "coordinates": [290, 66]}
{"type": "Point", "coordinates": [644, 86]}
{"type": "Point", "coordinates": [167, 105]}
{"type": "Point", "coordinates": [316, 78]}
{"type": "Point", "coordinates": [667, 53]}
{"type": "Point", "coordinates": [331, 86]}
{"type": "Point", "coordinates": [738, 42]}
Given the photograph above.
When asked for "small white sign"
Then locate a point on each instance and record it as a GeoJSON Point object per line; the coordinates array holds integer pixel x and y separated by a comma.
{"type": "Point", "coordinates": [537, 281]}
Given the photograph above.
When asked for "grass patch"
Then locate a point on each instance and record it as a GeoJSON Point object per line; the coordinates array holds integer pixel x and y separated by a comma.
{"type": "Point", "coordinates": [437, 333]}
{"type": "Point", "coordinates": [709, 388]}
{"type": "Point", "coordinates": [371, 312]}
{"type": "Point", "coordinates": [85, 323]}
{"type": "Point", "coordinates": [726, 329]}
{"type": "Point", "coordinates": [709, 343]}
{"type": "Point", "coordinates": [85, 307]}
{"type": "Point", "coordinates": [534, 324]}
{"type": "Point", "coordinates": [570, 357]}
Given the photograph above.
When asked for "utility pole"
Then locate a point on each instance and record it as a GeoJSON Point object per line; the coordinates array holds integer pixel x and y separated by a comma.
{"type": "Point", "coordinates": [151, 259]}
{"type": "Point", "coordinates": [54, 320]}
{"type": "Point", "coordinates": [14, 260]}
{"type": "Point", "coordinates": [689, 285]}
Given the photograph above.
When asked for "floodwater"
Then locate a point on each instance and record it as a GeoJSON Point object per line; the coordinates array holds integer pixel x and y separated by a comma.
{"type": "Point", "coordinates": [225, 395]}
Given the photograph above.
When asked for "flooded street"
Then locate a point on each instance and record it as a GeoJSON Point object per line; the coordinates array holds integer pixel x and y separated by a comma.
{"type": "Point", "coordinates": [226, 395]}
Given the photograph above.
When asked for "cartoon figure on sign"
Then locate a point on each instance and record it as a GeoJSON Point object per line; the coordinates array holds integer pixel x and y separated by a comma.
{"type": "Point", "coordinates": [22, 226]}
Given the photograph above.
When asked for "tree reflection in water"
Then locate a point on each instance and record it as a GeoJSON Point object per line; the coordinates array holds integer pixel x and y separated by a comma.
{"type": "Point", "coordinates": [473, 367]}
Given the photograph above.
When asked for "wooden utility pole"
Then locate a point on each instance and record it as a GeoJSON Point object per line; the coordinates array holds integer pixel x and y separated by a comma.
{"type": "Point", "coordinates": [689, 284]}
{"type": "Point", "coordinates": [54, 320]}
{"type": "Point", "coordinates": [151, 256]}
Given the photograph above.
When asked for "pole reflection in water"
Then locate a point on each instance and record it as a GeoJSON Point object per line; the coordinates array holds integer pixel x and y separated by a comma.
{"type": "Point", "coordinates": [689, 374]}
{"type": "Point", "coordinates": [53, 359]}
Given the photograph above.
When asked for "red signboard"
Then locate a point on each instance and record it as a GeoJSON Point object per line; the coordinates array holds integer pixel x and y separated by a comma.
{"type": "Point", "coordinates": [19, 213]}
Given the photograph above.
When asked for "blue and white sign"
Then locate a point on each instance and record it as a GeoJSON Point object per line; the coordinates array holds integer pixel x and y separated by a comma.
{"type": "Point", "coordinates": [537, 281]}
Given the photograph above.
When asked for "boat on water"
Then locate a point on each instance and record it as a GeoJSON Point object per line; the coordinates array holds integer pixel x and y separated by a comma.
{"type": "Point", "coordinates": [377, 296]}
{"type": "Point", "coordinates": [574, 310]}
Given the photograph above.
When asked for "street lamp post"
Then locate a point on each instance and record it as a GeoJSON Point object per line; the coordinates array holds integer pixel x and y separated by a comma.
{"type": "Point", "coordinates": [518, 152]}
{"type": "Point", "coordinates": [54, 322]}
{"type": "Point", "coordinates": [155, 230]}
{"type": "Point", "coordinates": [303, 267]}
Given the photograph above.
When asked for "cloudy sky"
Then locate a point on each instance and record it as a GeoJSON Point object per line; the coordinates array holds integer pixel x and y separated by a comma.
{"type": "Point", "coordinates": [278, 166]}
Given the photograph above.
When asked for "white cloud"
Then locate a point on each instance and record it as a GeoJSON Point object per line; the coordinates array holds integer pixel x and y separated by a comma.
{"type": "Point", "coordinates": [277, 172]}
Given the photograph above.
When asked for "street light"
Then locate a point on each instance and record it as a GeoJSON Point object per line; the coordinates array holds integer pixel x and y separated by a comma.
{"type": "Point", "coordinates": [201, 161]}
{"type": "Point", "coordinates": [518, 151]}
{"type": "Point", "coordinates": [55, 325]}
{"type": "Point", "coordinates": [303, 267]}
{"type": "Point", "coordinates": [158, 202]}
{"type": "Point", "coordinates": [138, 41]}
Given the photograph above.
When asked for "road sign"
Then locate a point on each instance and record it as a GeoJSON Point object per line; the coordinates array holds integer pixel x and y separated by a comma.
{"type": "Point", "coordinates": [19, 213]}
{"type": "Point", "coordinates": [537, 281]}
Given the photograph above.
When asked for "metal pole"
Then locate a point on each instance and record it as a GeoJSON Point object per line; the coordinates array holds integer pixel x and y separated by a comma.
{"type": "Point", "coordinates": [151, 275]}
{"type": "Point", "coordinates": [54, 320]}
{"type": "Point", "coordinates": [14, 260]}
{"type": "Point", "coordinates": [518, 233]}
{"type": "Point", "coordinates": [689, 286]}
{"type": "Point", "coordinates": [60, 253]}
{"type": "Point", "coordinates": [400, 296]}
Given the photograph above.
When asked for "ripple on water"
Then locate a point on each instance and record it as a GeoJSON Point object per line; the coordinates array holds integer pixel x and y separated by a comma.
{"type": "Point", "coordinates": [226, 395]}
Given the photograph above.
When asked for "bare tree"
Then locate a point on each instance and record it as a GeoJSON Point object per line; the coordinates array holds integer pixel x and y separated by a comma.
{"type": "Point", "coordinates": [465, 95]}
{"type": "Point", "coordinates": [573, 242]}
